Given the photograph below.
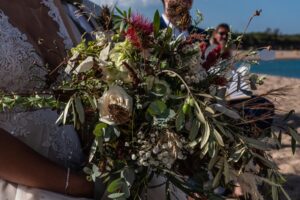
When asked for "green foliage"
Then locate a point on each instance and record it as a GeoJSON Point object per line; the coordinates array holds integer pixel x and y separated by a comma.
{"type": "Point", "coordinates": [163, 119]}
{"type": "Point", "coordinates": [277, 41]}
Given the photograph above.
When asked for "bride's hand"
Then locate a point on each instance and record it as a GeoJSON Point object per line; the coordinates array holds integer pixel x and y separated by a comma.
{"type": "Point", "coordinates": [31, 169]}
{"type": "Point", "coordinates": [79, 186]}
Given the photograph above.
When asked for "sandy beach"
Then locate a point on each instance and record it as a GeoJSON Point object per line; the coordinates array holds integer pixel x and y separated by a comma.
{"type": "Point", "coordinates": [288, 163]}
{"type": "Point", "coordinates": [287, 54]}
{"type": "Point", "coordinates": [278, 54]}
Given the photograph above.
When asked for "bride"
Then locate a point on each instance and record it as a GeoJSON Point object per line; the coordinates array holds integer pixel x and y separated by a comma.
{"type": "Point", "coordinates": [39, 160]}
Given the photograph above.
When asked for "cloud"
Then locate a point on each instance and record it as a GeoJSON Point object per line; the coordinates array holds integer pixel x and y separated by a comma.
{"type": "Point", "coordinates": [135, 3]}
{"type": "Point", "coordinates": [128, 3]}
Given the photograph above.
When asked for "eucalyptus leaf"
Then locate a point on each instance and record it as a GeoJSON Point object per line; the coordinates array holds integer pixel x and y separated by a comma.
{"type": "Point", "coordinates": [275, 193]}
{"type": "Point", "coordinates": [157, 108]}
{"type": "Point", "coordinates": [213, 161]}
{"type": "Point", "coordinates": [180, 120]}
{"type": "Point", "coordinates": [105, 53]}
{"type": "Point", "coordinates": [199, 114]}
{"type": "Point", "coordinates": [74, 114]}
{"type": "Point", "coordinates": [99, 129]}
{"type": "Point", "coordinates": [217, 178]}
{"type": "Point", "coordinates": [115, 185]}
{"type": "Point", "coordinates": [128, 175]}
{"type": "Point", "coordinates": [226, 171]}
{"type": "Point", "coordinates": [294, 145]}
{"type": "Point", "coordinates": [255, 143]}
{"type": "Point", "coordinates": [228, 112]}
{"type": "Point", "coordinates": [194, 130]}
{"type": "Point", "coordinates": [66, 111]}
{"type": "Point", "coordinates": [93, 102]}
{"type": "Point", "coordinates": [85, 65]}
{"type": "Point", "coordinates": [60, 118]}
{"type": "Point", "coordinates": [266, 161]}
{"type": "Point", "coordinates": [156, 23]}
{"type": "Point", "coordinates": [218, 138]}
{"type": "Point", "coordinates": [93, 150]}
{"type": "Point", "coordinates": [236, 156]}
{"type": "Point", "coordinates": [116, 195]}
{"type": "Point", "coordinates": [79, 110]}
{"type": "Point", "coordinates": [204, 150]}
{"type": "Point", "coordinates": [285, 193]}
{"type": "Point", "coordinates": [294, 134]}
{"type": "Point", "coordinates": [206, 135]}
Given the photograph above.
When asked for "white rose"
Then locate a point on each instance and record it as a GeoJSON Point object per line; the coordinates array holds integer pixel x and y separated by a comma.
{"type": "Point", "coordinates": [115, 106]}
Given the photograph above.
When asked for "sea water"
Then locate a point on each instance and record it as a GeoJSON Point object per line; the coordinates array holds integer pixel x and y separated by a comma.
{"type": "Point", "coordinates": [287, 68]}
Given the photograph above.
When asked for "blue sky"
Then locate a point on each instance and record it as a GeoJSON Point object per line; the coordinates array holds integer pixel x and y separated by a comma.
{"type": "Point", "coordinates": [282, 14]}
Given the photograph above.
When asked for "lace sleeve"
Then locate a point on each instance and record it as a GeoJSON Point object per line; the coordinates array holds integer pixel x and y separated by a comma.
{"type": "Point", "coordinates": [18, 60]}
{"type": "Point", "coordinates": [54, 14]}
{"type": "Point", "coordinates": [21, 71]}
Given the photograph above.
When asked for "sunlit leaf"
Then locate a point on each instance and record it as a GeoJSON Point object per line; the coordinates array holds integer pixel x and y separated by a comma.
{"type": "Point", "coordinates": [294, 134]}
{"type": "Point", "coordinates": [66, 111]}
{"type": "Point", "coordinates": [115, 185]}
{"type": "Point", "coordinates": [218, 138]}
{"type": "Point", "coordinates": [226, 171]}
{"type": "Point", "coordinates": [194, 130]}
{"type": "Point", "coordinates": [156, 23]}
{"type": "Point", "coordinates": [206, 135]}
{"type": "Point", "coordinates": [180, 120]}
{"type": "Point", "coordinates": [217, 178]}
{"type": "Point", "coordinates": [79, 110]}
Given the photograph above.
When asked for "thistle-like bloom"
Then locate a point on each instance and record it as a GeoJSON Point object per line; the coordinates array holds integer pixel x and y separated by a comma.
{"type": "Point", "coordinates": [133, 37]}
{"type": "Point", "coordinates": [141, 24]}
{"type": "Point", "coordinates": [139, 31]}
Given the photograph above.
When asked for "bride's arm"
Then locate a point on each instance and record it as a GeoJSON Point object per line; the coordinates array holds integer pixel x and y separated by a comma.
{"type": "Point", "coordinates": [20, 164]}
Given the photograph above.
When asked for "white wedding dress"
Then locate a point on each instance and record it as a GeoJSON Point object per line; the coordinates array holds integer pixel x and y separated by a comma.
{"type": "Point", "coordinates": [35, 128]}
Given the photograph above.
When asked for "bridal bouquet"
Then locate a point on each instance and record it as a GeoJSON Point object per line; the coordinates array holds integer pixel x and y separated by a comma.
{"type": "Point", "coordinates": [156, 106]}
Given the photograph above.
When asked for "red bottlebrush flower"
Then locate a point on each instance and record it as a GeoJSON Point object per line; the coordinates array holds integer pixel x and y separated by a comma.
{"type": "Point", "coordinates": [203, 46]}
{"type": "Point", "coordinates": [133, 37]}
{"type": "Point", "coordinates": [212, 57]}
{"type": "Point", "coordinates": [141, 24]}
{"type": "Point", "coordinates": [139, 31]}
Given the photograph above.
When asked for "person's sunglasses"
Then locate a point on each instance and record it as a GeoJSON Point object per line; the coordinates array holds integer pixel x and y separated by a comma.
{"type": "Point", "coordinates": [223, 34]}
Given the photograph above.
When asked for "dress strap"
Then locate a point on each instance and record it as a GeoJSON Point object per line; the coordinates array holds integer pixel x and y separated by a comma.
{"type": "Point", "coordinates": [57, 14]}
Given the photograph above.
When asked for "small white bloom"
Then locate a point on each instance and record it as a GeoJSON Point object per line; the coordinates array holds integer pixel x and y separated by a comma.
{"type": "Point", "coordinates": [165, 161]}
{"type": "Point", "coordinates": [180, 156]}
{"type": "Point", "coordinates": [133, 157]}
{"type": "Point", "coordinates": [153, 140]}
{"type": "Point", "coordinates": [159, 156]}
{"type": "Point", "coordinates": [165, 146]}
{"type": "Point", "coordinates": [155, 150]}
{"type": "Point", "coordinates": [148, 154]}
{"type": "Point", "coordinates": [141, 153]}
{"type": "Point", "coordinates": [169, 165]}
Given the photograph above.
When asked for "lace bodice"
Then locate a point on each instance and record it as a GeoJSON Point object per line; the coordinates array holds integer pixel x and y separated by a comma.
{"type": "Point", "coordinates": [18, 60]}
{"type": "Point", "coordinates": [21, 70]}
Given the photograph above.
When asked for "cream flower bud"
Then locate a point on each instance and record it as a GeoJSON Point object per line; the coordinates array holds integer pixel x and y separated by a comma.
{"type": "Point", "coordinates": [148, 154]}
{"type": "Point", "coordinates": [133, 157]}
{"type": "Point", "coordinates": [155, 150]}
